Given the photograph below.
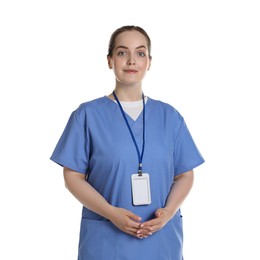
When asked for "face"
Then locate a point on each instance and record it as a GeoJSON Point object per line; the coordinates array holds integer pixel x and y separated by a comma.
{"type": "Point", "coordinates": [130, 59]}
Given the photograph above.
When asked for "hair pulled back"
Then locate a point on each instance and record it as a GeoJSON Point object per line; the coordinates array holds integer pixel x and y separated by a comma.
{"type": "Point", "coordinates": [126, 28]}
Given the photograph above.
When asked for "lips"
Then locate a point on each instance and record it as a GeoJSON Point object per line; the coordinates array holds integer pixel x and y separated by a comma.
{"type": "Point", "coordinates": [130, 71]}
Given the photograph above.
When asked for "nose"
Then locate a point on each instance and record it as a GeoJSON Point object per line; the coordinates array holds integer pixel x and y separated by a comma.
{"type": "Point", "coordinates": [131, 60]}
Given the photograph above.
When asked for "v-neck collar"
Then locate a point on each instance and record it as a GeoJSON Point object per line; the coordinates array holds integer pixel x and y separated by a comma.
{"type": "Point", "coordinates": [133, 123]}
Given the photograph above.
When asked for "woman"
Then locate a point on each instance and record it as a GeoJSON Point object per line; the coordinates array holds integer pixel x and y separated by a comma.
{"type": "Point", "coordinates": [129, 160]}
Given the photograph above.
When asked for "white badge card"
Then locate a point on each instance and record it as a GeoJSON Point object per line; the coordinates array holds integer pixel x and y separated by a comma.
{"type": "Point", "coordinates": [141, 189]}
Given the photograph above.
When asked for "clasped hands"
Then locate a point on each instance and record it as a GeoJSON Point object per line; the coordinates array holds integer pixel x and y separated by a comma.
{"type": "Point", "coordinates": [131, 224]}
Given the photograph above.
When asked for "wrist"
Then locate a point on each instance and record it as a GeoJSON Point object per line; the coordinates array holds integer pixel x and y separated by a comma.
{"type": "Point", "coordinates": [170, 212]}
{"type": "Point", "coordinates": [109, 212]}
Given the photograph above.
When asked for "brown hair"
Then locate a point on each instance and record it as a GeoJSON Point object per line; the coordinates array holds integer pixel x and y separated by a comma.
{"type": "Point", "coordinates": [111, 45]}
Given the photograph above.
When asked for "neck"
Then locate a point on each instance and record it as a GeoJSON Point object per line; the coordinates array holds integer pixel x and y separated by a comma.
{"type": "Point", "coordinates": [128, 94]}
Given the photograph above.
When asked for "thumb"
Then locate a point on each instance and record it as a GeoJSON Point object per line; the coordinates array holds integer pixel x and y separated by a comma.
{"type": "Point", "coordinates": [158, 213]}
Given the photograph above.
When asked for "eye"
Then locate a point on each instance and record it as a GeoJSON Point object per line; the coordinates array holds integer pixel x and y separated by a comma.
{"type": "Point", "coordinates": [141, 54]}
{"type": "Point", "coordinates": [121, 53]}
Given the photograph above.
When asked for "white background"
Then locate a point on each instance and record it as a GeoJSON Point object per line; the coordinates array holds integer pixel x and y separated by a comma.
{"type": "Point", "coordinates": [206, 63]}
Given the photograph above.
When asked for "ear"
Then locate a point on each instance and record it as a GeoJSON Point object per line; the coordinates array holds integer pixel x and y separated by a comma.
{"type": "Point", "coordinates": [109, 62]}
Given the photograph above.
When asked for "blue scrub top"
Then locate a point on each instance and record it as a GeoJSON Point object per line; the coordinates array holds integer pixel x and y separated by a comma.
{"type": "Point", "coordinates": [97, 142]}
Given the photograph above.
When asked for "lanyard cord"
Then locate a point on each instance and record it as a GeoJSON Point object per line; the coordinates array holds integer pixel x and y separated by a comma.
{"type": "Point", "coordinates": [140, 156]}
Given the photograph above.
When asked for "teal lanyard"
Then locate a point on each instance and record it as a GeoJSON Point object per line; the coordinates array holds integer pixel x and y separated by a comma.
{"type": "Point", "coordinates": [140, 156]}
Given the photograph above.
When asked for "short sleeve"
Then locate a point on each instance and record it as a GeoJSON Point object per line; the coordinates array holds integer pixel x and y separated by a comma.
{"type": "Point", "coordinates": [72, 148]}
{"type": "Point", "coordinates": [186, 154]}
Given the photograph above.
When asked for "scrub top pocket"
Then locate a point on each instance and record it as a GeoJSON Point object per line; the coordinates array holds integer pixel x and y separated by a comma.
{"type": "Point", "coordinates": [171, 239]}
{"type": "Point", "coordinates": [97, 240]}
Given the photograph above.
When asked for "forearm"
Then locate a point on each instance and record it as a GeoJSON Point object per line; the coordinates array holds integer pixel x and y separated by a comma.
{"type": "Point", "coordinates": [124, 219]}
{"type": "Point", "coordinates": [179, 191]}
{"type": "Point", "coordinates": [86, 194]}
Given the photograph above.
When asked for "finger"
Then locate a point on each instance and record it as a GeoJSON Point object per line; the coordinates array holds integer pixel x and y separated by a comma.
{"type": "Point", "coordinates": [134, 234]}
{"type": "Point", "coordinates": [132, 225]}
{"type": "Point", "coordinates": [137, 235]}
{"type": "Point", "coordinates": [145, 230]}
{"type": "Point", "coordinates": [133, 220]}
{"type": "Point", "coordinates": [157, 226]}
{"type": "Point", "coordinates": [144, 235]}
{"type": "Point", "coordinates": [135, 227]}
{"type": "Point", "coordinates": [154, 226]}
{"type": "Point", "coordinates": [141, 232]}
{"type": "Point", "coordinates": [135, 217]}
{"type": "Point", "coordinates": [132, 230]}
{"type": "Point", "coordinates": [150, 223]}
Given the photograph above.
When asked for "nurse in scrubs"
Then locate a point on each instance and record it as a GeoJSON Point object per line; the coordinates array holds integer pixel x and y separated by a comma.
{"type": "Point", "coordinates": [129, 160]}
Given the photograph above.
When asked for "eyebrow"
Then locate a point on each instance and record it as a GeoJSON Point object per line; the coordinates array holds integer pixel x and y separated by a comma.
{"type": "Point", "coordinates": [124, 47]}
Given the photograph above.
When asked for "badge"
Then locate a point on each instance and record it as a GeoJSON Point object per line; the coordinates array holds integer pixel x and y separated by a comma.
{"type": "Point", "coordinates": [141, 189]}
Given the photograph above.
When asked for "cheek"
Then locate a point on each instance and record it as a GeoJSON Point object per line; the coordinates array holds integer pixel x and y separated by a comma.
{"type": "Point", "coordinates": [112, 63]}
{"type": "Point", "coordinates": [146, 65]}
{"type": "Point", "coordinates": [118, 64]}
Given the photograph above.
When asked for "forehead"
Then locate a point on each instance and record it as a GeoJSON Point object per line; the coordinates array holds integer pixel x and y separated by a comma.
{"type": "Point", "coordinates": [131, 39]}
